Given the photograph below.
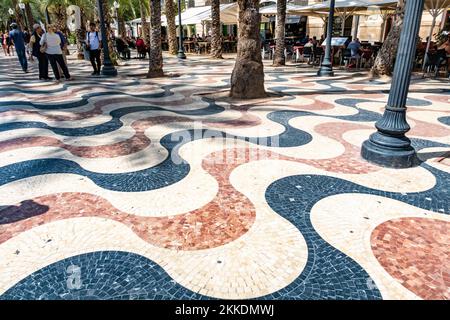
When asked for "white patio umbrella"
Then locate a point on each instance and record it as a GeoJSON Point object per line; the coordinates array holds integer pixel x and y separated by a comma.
{"type": "Point", "coordinates": [345, 8]}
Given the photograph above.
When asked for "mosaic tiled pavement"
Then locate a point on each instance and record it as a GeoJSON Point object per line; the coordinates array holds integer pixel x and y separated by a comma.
{"type": "Point", "coordinates": [132, 188]}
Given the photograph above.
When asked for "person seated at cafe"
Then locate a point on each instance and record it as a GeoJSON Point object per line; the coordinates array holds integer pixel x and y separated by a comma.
{"type": "Point", "coordinates": [122, 48]}
{"type": "Point", "coordinates": [310, 44]}
{"type": "Point", "coordinates": [141, 48]}
{"type": "Point", "coordinates": [131, 42]}
{"type": "Point", "coordinates": [322, 39]}
{"type": "Point", "coordinates": [355, 47]}
{"type": "Point", "coordinates": [445, 46]}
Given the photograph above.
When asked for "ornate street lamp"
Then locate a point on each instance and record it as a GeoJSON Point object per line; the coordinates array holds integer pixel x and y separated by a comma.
{"type": "Point", "coordinates": [180, 54]}
{"type": "Point", "coordinates": [11, 13]}
{"type": "Point", "coordinates": [116, 13]}
{"type": "Point", "coordinates": [326, 68]}
{"type": "Point", "coordinates": [389, 147]}
{"type": "Point", "coordinates": [22, 7]}
{"type": "Point", "coordinates": [108, 68]}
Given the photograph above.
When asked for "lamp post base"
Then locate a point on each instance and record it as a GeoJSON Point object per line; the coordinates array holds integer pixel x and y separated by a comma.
{"type": "Point", "coordinates": [325, 71]}
{"type": "Point", "coordinates": [109, 71]}
{"type": "Point", "coordinates": [389, 151]}
{"type": "Point", "coordinates": [181, 55]}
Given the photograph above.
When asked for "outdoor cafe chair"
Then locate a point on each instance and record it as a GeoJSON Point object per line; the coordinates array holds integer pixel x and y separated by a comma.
{"type": "Point", "coordinates": [307, 54]}
{"type": "Point", "coordinates": [318, 54]}
{"type": "Point", "coordinates": [347, 58]}
{"type": "Point", "coordinates": [434, 62]}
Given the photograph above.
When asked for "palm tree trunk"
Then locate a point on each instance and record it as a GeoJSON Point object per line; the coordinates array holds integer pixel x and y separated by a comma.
{"type": "Point", "coordinates": [279, 58]}
{"type": "Point", "coordinates": [384, 62]}
{"type": "Point", "coordinates": [171, 27]}
{"type": "Point", "coordinates": [107, 17]}
{"type": "Point", "coordinates": [145, 26]}
{"type": "Point", "coordinates": [216, 32]}
{"type": "Point", "coordinates": [155, 68]}
{"type": "Point", "coordinates": [29, 14]}
{"type": "Point", "coordinates": [122, 27]}
{"type": "Point", "coordinates": [247, 79]}
{"type": "Point", "coordinates": [81, 35]}
{"type": "Point", "coordinates": [61, 19]}
{"type": "Point", "coordinates": [19, 19]}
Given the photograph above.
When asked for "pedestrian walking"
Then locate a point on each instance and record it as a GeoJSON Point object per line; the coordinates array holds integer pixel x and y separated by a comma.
{"type": "Point", "coordinates": [64, 49]}
{"type": "Point", "coordinates": [27, 37]}
{"type": "Point", "coordinates": [4, 45]}
{"type": "Point", "coordinates": [35, 45]}
{"type": "Point", "coordinates": [9, 46]}
{"type": "Point", "coordinates": [18, 39]}
{"type": "Point", "coordinates": [51, 45]}
{"type": "Point", "coordinates": [93, 45]}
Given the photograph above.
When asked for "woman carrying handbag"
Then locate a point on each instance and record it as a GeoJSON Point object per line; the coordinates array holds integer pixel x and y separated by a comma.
{"type": "Point", "coordinates": [51, 45]}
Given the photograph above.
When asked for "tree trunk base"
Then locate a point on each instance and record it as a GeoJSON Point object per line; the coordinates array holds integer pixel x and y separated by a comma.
{"type": "Point", "coordinates": [155, 74]}
{"type": "Point", "coordinates": [278, 64]}
{"type": "Point", "coordinates": [247, 80]}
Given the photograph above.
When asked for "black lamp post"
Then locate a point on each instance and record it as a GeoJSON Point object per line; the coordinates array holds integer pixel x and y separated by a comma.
{"type": "Point", "coordinates": [22, 7]}
{"type": "Point", "coordinates": [11, 13]}
{"type": "Point", "coordinates": [108, 68]}
{"type": "Point", "coordinates": [326, 68]}
{"type": "Point", "coordinates": [389, 147]}
{"type": "Point", "coordinates": [116, 14]}
{"type": "Point", "coordinates": [47, 16]}
{"type": "Point", "coordinates": [180, 54]}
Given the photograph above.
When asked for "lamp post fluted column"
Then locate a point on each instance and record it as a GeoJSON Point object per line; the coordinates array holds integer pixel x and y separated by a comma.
{"type": "Point", "coordinates": [389, 147]}
{"type": "Point", "coordinates": [326, 68]}
{"type": "Point", "coordinates": [108, 68]}
{"type": "Point", "coordinates": [180, 54]}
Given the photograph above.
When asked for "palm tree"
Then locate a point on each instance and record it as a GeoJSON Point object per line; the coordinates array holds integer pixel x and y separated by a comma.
{"type": "Point", "coordinates": [107, 17]}
{"type": "Point", "coordinates": [87, 9]}
{"type": "Point", "coordinates": [29, 13]}
{"type": "Point", "coordinates": [247, 79]}
{"type": "Point", "coordinates": [216, 32]}
{"type": "Point", "coordinates": [384, 62]}
{"type": "Point", "coordinates": [143, 7]}
{"type": "Point", "coordinates": [279, 58]}
{"type": "Point", "coordinates": [171, 26]}
{"type": "Point", "coordinates": [155, 68]}
{"type": "Point", "coordinates": [18, 14]}
{"type": "Point", "coordinates": [58, 8]}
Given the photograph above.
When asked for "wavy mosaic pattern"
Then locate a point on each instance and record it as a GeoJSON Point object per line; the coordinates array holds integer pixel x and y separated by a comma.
{"type": "Point", "coordinates": [131, 188]}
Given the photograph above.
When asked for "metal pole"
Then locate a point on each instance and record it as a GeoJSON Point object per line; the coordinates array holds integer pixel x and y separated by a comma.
{"type": "Point", "coordinates": [425, 57]}
{"type": "Point", "coordinates": [108, 68]}
{"type": "Point", "coordinates": [47, 16]}
{"type": "Point", "coordinates": [180, 54]}
{"type": "Point", "coordinates": [326, 68]}
{"type": "Point", "coordinates": [389, 147]}
{"type": "Point", "coordinates": [355, 27]}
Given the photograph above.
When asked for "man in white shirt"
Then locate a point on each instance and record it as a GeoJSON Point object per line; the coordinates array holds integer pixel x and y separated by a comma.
{"type": "Point", "coordinates": [94, 44]}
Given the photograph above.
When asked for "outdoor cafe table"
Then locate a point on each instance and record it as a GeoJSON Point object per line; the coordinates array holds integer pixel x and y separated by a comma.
{"type": "Point", "coordinates": [188, 44]}
{"type": "Point", "coordinates": [298, 49]}
{"type": "Point", "coordinates": [203, 44]}
{"type": "Point", "coordinates": [231, 44]}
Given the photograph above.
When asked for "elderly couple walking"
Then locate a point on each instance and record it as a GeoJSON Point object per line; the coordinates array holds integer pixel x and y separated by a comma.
{"type": "Point", "coordinates": [49, 47]}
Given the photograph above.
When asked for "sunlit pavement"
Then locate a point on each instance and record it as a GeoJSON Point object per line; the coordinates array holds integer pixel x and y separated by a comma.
{"type": "Point", "coordinates": [135, 188]}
